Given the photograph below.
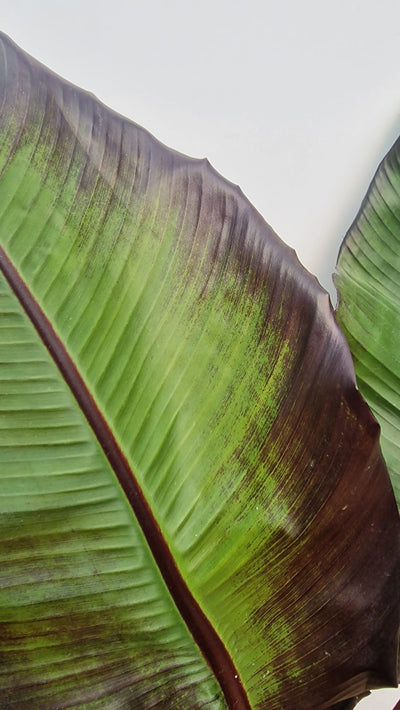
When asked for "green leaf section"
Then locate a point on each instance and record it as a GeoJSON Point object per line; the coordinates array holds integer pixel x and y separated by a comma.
{"type": "Point", "coordinates": [86, 620]}
{"type": "Point", "coordinates": [217, 363]}
{"type": "Point", "coordinates": [157, 330]}
{"type": "Point", "coordinates": [368, 283]}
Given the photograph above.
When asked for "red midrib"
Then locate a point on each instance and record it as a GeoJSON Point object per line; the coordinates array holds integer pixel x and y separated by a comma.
{"type": "Point", "coordinates": [200, 627]}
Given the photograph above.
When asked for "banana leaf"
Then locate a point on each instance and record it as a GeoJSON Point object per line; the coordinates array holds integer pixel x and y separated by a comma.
{"type": "Point", "coordinates": [195, 512]}
{"type": "Point", "coordinates": [368, 282]}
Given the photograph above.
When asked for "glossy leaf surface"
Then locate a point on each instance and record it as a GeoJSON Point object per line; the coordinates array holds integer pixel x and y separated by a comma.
{"type": "Point", "coordinates": [215, 404]}
{"type": "Point", "coordinates": [368, 283]}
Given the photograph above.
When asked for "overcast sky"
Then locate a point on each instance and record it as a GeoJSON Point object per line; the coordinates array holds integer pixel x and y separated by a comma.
{"type": "Point", "coordinates": [296, 102]}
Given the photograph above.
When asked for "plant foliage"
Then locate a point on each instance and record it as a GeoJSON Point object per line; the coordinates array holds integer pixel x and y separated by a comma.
{"type": "Point", "coordinates": [195, 509]}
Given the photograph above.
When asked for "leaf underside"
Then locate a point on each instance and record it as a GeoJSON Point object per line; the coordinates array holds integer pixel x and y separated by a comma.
{"type": "Point", "coordinates": [254, 496]}
{"type": "Point", "coordinates": [367, 280]}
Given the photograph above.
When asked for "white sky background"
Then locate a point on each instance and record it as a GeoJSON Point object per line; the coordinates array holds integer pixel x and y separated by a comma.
{"type": "Point", "coordinates": [297, 102]}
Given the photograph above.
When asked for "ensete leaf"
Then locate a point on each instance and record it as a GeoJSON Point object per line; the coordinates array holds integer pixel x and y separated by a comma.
{"type": "Point", "coordinates": [367, 279]}
{"type": "Point", "coordinates": [195, 508]}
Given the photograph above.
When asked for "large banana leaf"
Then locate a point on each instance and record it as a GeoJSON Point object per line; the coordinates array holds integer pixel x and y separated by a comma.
{"type": "Point", "coordinates": [368, 282]}
{"type": "Point", "coordinates": [195, 510]}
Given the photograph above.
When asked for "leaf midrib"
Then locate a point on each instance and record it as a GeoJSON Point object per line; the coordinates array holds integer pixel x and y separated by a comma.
{"type": "Point", "coordinates": [204, 634]}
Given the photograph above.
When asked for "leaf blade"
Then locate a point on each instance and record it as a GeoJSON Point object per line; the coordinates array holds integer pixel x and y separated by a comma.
{"type": "Point", "coordinates": [98, 613]}
{"type": "Point", "coordinates": [369, 305]}
{"type": "Point", "coordinates": [197, 316]}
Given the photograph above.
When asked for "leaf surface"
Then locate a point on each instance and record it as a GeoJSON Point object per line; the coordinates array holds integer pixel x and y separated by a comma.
{"type": "Point", "coordinates": [215, 400]}
{"type": "Point", "coordinates": [83, 608]}
{"type": "Point", "coordinates": [367, 280]}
